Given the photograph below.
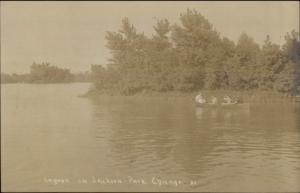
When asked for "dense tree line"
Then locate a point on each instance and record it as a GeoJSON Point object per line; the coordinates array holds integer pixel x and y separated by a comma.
{"type": "Point", "coordinates": [13, 78]}
{"type": "Point", "coordinates": [194, 56]}
{"type": "Point", "coordinates": [45, 73]}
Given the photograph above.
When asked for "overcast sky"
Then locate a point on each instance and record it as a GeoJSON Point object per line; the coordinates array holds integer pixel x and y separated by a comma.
{"type": "Point", "coordinates": [71, 34]}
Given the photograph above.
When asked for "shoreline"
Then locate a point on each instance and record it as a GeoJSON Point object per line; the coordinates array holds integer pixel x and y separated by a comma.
{"type": "Point", "coordinates": [41, 83]}
{"type": "Point", "coordinates": [245, 96]}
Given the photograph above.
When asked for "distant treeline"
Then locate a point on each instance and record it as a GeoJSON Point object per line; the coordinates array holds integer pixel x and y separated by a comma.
{"type": "Point", "coordinates": [194, 56]}
{"type": "Point", "coordinates": [45, 73]}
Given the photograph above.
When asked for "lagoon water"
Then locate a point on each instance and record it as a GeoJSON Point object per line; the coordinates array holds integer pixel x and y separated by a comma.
{"type": "Point", "coordinates": [53, 140]}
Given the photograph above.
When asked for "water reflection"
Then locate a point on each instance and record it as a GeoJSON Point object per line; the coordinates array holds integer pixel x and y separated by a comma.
{"type": "Point", "coordinates": [142, 134]}
{"type": "Point", "coordinates": [67, 136]}
{"type": "Point", "coordinates": [173, 138]}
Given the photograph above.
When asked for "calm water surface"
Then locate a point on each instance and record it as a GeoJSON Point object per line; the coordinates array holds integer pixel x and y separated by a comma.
{"type": "Point", "coordinates": [49, 133]}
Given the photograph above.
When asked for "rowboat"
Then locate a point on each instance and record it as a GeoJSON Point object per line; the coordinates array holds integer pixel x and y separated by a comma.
{"type": "Point", "coordinates": [224, 105]}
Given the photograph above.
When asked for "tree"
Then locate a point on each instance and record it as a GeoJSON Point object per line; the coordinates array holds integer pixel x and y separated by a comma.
{"type": "Point", "coordinates": [45, 73]}
{"type": "Point", "coordinates": [288, 79]}
{"type": "Point", "coordinates": [193, 40]}
{"type": "Point", "coordinates": [270, 62]}
{"type": "Point", "coordinates": [242, 68]}
{"type": "Point", "coordinates": [161, 58]}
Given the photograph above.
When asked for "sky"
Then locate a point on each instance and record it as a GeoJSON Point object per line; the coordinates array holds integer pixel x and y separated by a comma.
{"type": "Point", "coordinates": [72, 34]}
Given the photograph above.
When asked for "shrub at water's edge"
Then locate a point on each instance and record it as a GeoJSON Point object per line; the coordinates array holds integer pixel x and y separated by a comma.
{"type": "Point", "coordinates": [252, 96]}
{"type": "Point", "coordinates": [193, 56]}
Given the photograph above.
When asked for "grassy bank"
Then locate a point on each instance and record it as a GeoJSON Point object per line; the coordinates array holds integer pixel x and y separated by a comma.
{"type": "Point", "coordinates": [252, 96]}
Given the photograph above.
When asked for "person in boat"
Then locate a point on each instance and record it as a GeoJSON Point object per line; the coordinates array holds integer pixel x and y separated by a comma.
{"type": "Point", "coordinates": [238, 100]}
{"type": "Point", "coordinates": [227, 100]}
{"type": "Point", "coordinates": [199, 99]}
{"type": "Point", "coordinates": [214, 100]}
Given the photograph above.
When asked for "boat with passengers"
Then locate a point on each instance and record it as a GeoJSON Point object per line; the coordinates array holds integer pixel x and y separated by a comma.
{"type": "Point", "coordinates": [227, 103]}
